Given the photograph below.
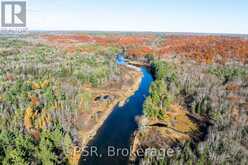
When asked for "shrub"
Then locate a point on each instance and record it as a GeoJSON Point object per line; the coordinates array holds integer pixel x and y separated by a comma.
{"type": "Point", "coordinates": [159, 99]}
{"type": "Point", "coordinates": [16, 148]}
{"type": "Point", "coordinates": [228, 73]}
{"type": "Point", "coordinates": [85, 101]}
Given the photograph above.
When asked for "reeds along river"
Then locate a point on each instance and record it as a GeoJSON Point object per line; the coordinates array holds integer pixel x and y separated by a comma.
{"type": "Point", "coordinates": [111, 145]}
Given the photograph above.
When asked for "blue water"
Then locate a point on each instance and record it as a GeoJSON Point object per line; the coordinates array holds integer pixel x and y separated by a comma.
{"type": "Point", "coordinates": [117, 129]}
{"type": "Point", "coordinates": [120, 60]}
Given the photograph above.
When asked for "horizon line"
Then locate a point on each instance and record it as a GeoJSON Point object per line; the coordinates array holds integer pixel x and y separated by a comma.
{"type": "Point", "coordinates": [135, 31]}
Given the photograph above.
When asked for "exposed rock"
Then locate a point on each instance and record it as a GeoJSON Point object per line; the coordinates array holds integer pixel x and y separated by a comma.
{"type": "Point", "coordinates": [104, 98]}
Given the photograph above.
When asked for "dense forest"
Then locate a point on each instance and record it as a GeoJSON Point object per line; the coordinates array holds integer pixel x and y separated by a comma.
{"type": "Point", "coordinates": [218, 93]}
{"type": "Point", "coordinates": [50, 87]}
{"type": "Point", "coordinates": [41, 97]}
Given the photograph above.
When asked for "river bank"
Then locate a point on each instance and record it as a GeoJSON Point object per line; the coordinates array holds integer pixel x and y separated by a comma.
{"type": "Point", "coordinates": [124, 94]}
{"type": "Point", "coordinates": [117, 130]}
{"type": "Point", "coordinates": [120, 94]}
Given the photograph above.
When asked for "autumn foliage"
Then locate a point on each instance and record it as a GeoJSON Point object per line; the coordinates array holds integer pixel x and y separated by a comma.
{"type": "Point", "coordinates": [29, 114]}
{"type": "Point", "coordinates": [135, 45]}
{"type": "Point", "coordinates": [204, 49]}
{"type": "Point", "coordinates": [207, 48]}
{"type": "Point", "coordinates": [68, 38]}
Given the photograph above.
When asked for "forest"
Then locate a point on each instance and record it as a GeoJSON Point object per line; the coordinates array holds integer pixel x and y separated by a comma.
{"type": "Point", "coordinates": [41, 98]}
{"type": "Point", "coordinates": [219, 104]}
{"type": "Point", "coordinates": [55, 88]}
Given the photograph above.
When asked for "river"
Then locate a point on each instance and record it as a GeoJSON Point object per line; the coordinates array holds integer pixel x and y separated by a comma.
{"type": "Point", "coordinates": [111, 145]}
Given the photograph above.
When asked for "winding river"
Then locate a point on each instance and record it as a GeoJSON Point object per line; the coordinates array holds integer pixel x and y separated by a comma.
{"type": "Point", "coordinates": [111, 145]}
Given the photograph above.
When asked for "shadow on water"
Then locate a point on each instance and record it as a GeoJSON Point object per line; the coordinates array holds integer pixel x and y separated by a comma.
{"type": "Point", "coordinates": [114, 135]}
